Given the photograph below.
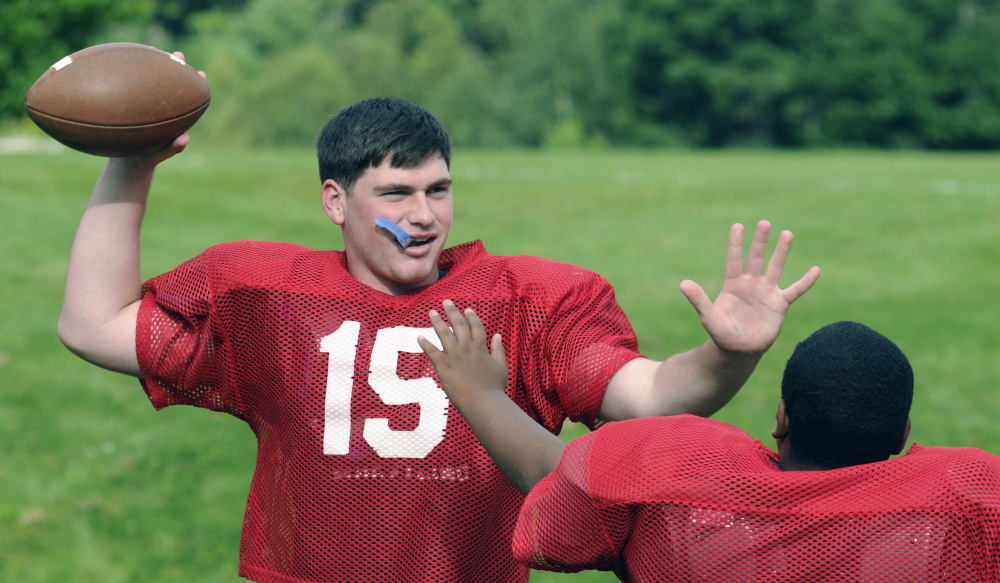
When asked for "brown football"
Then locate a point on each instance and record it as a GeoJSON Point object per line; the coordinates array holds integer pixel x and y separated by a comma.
{"type": "Point", "coordinates": [117, 99]}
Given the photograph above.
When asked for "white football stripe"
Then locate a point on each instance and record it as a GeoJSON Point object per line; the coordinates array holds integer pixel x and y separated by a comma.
{"type": "Point", "coordinates": [178, 59]}
{"type": "Point", "coordinates": [63, 62]}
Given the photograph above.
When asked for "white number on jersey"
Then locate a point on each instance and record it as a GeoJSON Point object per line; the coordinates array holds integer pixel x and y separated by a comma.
{"type": "Point", "coordinates": [342, 347]}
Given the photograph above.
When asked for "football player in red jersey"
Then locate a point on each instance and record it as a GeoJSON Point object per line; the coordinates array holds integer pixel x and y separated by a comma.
{"type": "Point", "coordinates": [684, 498]}
{"type": "Point", "coordinates": [365, 471]}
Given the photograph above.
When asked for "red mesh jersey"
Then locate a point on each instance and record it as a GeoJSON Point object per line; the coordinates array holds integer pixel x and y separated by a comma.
{"type": "Point", "coordinates": [691, 499]}
{"type": "Point", "coordinates": [365, 472]}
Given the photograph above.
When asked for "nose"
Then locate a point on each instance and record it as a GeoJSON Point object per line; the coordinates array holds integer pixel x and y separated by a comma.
{"type": "Point", "coordinates": [420, 212]}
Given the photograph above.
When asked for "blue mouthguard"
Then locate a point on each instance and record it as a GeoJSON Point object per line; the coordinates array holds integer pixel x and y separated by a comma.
{"type": "Point", "coordinates": [401, 237]}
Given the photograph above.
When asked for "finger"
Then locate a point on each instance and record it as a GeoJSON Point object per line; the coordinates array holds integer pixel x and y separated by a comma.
{"type": "Point", "coordinates": [734, 255]}
{"type": "Point", "coordinates": [777, 263]}
{"type": "Point", "coordinates": [459, 326]}
{"type": "Point", "coordinates": [430, 350]}
{"type": "Point", "coordinates": [496, 348]}
{"type": "Point", "coordinates": [441, 329]}
{"type": "Point", "coordinates": [755, 259]}
{"type": "Point", "coordinates": [477, 331]}
{"type": "Point", "coordinates": [795, 291]}
{"type": "Point", "coordinates": [178, 145]}
{"type": "Point", "coordinates": [164, 152]}
{"type": "Point", "coordinates": [180, 56]}
{"type": "Point", "coordinates": [697, 296]}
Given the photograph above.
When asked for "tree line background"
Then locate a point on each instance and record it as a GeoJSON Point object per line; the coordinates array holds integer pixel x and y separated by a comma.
{"type": "Point", "coordinates": [703, 73]}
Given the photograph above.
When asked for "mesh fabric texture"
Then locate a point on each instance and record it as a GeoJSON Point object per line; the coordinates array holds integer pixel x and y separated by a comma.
{"type": "Point", "coordinates": [691, 499]}
{"type": "Point", "coordinates": [365, 472]}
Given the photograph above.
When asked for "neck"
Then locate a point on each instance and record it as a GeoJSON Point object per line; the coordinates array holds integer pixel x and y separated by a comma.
{"type": "Point", "coordinates": [790, 464]}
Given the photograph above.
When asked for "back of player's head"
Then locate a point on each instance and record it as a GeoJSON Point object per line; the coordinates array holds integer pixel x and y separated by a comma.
{"type": "Point", "coordinates": [847, 392]}
{"type": "Point", "coordinates": [362, 135]}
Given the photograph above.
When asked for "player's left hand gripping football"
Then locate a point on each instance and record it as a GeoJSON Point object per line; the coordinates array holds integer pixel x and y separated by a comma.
{"type": "Point", "coordinates": [465, 366]}
{"type": "Point", "coordinates": [749, 312]}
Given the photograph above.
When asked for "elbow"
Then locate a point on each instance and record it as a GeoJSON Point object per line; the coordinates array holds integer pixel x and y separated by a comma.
{"type": "Point", "coordinates": [110, 346]}
{"type": "Point", "coordinates": [76, 337]}
{"type": "Point", "coordinates": [70, 335]}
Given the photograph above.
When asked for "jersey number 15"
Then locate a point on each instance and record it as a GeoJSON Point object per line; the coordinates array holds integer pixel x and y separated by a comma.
{"type": "Point", "coordinates": [342, 346]}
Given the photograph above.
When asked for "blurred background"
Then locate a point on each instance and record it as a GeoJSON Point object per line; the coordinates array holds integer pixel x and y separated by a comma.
{"type": "Point", "coordinates": [624, 136]}
{"type": "Point", "coordinates": [784, 73]}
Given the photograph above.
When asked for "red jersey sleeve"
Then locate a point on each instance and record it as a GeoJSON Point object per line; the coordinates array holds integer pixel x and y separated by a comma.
{"type": "Point", "coordinates": [560, 526]}
{"type": "Point", "coordinates": [586, 340]}
{"type": "Point", "coordinates": [180, 343]}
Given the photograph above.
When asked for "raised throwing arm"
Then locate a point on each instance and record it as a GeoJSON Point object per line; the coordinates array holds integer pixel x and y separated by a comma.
{"type": "Point", "coordinates": [103, 280]}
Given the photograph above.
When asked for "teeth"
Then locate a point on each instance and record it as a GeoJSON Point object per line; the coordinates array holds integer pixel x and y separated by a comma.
{"type": "Point", "coordinates": [415, 242]}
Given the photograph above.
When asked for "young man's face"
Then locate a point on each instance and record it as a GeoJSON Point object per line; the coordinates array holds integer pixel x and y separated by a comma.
{"type": "Point", "coordinates": [418, 200]}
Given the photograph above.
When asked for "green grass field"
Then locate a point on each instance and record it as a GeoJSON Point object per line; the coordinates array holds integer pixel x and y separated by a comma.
{"type": "Point", "coordinates": [96, 486]}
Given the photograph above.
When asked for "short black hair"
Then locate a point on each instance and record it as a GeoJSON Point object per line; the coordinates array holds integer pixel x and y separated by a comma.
{"type": "Point", "coordinates": [362, 135]}
{"type": "Point", "coordinates": [847, 392]}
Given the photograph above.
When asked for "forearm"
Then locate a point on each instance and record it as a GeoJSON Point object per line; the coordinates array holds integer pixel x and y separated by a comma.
{"type": "Point", "coordinates": [523, 450]}
{"type": "Point", "coordinates": [699, 382]}
{"type": "Point", "coordinates": [742, 323]}
{"type": "Point", "coordinates": [103, 280]}
{"type": "Point", "coordinates": [473, 378]}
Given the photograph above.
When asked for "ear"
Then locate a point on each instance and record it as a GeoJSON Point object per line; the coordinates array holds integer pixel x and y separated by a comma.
{"type": "Point", "coordinates": [902, 441]}
{"type": "Point", "coordinates": [334, 201]}
{"type": "Point", "coordinates": [782, 424]}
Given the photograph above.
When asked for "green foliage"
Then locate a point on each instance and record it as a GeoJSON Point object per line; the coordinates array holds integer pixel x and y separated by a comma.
{"type": "Point", "coordinates": [557, 68]}
{"type": "Point", "coordinates": [273, 81]}
{"type": "Point", "coordinates": [868, 82]}
{"type": "Point", "coordinates": [278, 72]}
{"type": "Point", "coordinates": [417, 51]}
{"type": "Point", "coordinates": [35, 34]}
{"type": "Point", "coordinates": [174, 15]}
{"type": "Point", "coordinates": [716, 72]}
{"type": "Point", "coordinates": [913, 73]}
{"type": "Point", "coordinates": [562, 73]}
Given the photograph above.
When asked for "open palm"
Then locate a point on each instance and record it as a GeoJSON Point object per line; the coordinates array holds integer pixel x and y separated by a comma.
{"type": "Point", "coordinates": [749, 312]}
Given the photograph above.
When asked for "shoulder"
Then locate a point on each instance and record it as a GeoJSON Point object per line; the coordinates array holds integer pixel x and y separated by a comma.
{"type": "Point", "coordinates": [663, 452]}
{"type": "Point", "coordinates": [263, 250]}
{"type": "Point", "coordinates": [967, 473]}
{"type": "Point", "coordinates": [533, 267]}
{"type": "Point", "coordinates": [956, 455]}
{"type": "Point", "coordinates": [239, 263]}
{"type": "Point", "coordinates": [528, 273]}
{"type": "Point", "coordinates": [954, 461]}
{"type": "Point", "coordinates": [651, 431]}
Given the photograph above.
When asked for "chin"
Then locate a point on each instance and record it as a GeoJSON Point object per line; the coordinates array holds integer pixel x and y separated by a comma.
{"type": "Point", "coordinates": [417, 271]}
{"type": "Point", "coordinates": [422, 279]}
{"type": "Point", "coordinates": [412, 277]}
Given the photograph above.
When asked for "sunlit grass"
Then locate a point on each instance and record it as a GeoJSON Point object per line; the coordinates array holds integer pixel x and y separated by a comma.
{"type": "Point", "coordinates": [96, 486]}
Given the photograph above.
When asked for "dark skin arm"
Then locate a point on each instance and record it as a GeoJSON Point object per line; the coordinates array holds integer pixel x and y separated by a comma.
{"type": "Point", "coordinates": [475, 380]}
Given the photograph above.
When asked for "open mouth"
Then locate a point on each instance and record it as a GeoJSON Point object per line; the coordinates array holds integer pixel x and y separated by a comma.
{"type": "Point", "coordinates": [402, 238]}
{"type": "Point", "coordinates": [420, 242]}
